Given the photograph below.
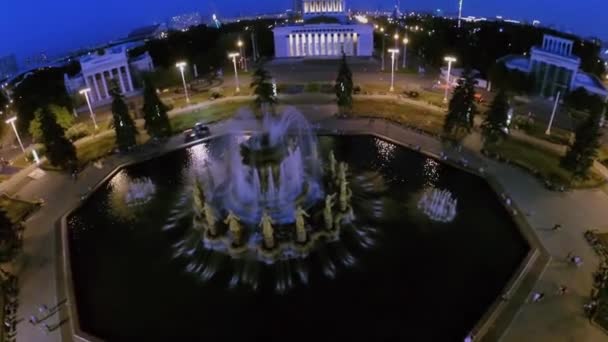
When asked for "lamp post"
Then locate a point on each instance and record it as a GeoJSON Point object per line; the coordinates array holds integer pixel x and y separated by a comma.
{"type": "Point", "coordinates": [11, 122]}
{"type": "Point", "coordinates": [182, 66]}
{"type": "Point", "coordinates": [382, 32]}
{"type": "Point", "coordinates": [450, 60]}
{"type": "Point", "coordinates": [548, 131]}
{"type": "Point", "coordinates": [393, 53]}
{"type": "Point", "coordinates": [396, 37]}
{"type": "Point", "coordinates": [234, 55]}
{"type": "Point", "coordinates": [243, 59]}
{"type": "Point", "coordinates": [405, 42]}
{"type": "Point", "coordinates": [86, 92]}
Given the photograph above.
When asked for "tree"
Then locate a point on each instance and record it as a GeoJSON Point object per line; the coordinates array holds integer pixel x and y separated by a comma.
{"type": "Point", "coordinates": [344, 87]}
{"type": "Point", "coordinates": [263, 89]}
{"type": "Point", "coordinates": [38, 89]}
{"type": "Point", "coordinates": [494, 127]}
{"type": "Point", "coordinates": [64, 118]}
{"type": "Point", "coordinates": [155, 112]}
{"type": "Point", "coordinates": [8, 236]}
{"type": "Point", "coordinates": [59, 150]}
{"type": "Point", "coordinates": [580, 99]}
{"type": "Point", "coordinates": [582, 153]}
{"type": "Point", "coordinates": [462, 108]}
{"type": "Point", "coordinates": [123, 123]}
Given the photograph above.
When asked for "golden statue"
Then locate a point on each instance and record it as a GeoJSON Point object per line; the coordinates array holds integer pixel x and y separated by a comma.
{"type": "Point", "coordinates": [300, 224]}
{"type": "Point", "coordinates": [234, 225]}
{"type": "Point", "coordinates": [266, 223]}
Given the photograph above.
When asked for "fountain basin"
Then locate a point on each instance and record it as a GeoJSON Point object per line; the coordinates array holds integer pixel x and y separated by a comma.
{"type": "Point", "coordinates": [399, 270]}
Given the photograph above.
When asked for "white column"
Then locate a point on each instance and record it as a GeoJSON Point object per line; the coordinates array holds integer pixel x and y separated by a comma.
{"type": "Point", "coordinates": [291, 45]}
{"type": "Point", "coordinates": [316, 44]}
{"type": "Point", "coordinates": [96, 86]}
{"type": "Point", "coordinates": [105, 84]}
{"type": "Point", "coordinates": [355, 44]}
{"type": "Point", "coordinates": [120, 81]}
{"type": "Point", "coordinates": [304, 42]}
{"type": "Point", "coordinates": [130, 80]}
{"type": "Point", "coordinates": [297, 44]}
{"type": "Point", "coordinates": [322, 43]}
{"type": "Point", "coordinates": [310, 44]}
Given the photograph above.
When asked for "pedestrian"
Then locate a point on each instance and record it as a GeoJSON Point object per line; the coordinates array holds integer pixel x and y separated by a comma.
{"type": "Point", "coordinates": [537, 297]}
{"type": "Point", "coordinates": [562, 290]}
{"type": "Point", "coordinates": [578, 261]}
{"type": "Point", "coordinates": [557, 227]}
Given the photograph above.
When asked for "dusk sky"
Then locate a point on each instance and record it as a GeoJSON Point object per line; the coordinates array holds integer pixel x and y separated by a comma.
{"type": "Point", "coordinates": [54, 26]}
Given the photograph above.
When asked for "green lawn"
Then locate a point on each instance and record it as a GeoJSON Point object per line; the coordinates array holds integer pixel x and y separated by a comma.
{"type": "Point", "coordinates": [213, 113]}
{"type": "Point", "coordinates": [411, 115]}
{"type": "Point", "coordinates": [537, 130]}
{"type": "Point", "coordinates": [17, 210]}
{"type": "Point", "coordinates": [539, 160]}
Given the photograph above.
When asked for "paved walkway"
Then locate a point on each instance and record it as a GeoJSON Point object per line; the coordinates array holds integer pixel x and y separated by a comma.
{"type": "Point", "coordinates": [555, 319]}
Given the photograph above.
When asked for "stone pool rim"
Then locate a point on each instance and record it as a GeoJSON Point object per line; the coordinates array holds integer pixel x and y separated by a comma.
{"type": "Point", "coordinates": [491, 325]}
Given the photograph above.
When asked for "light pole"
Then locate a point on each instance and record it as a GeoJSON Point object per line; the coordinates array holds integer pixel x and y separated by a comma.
{"type": "Point", "coordinates": [396, 37]}
{"type": "Point", "coordinates": [405, 42]}
{"type": "Point", "coordinates": [240, 45]}
{"type": "Point", "coordinates": [11, 122]}
{"type": "Point", "coordinates": [459, 12]}
{"type": "Point", "coordinates": [86, 92]}
{"type": "Point", "coordinates": [450, 60]}
{"type": "Point", "coordinates": [382, 32]}
{"type": "Point", "coordinates": [393, 53]}
{"type": "Point", "coordinates": [548, 131]}
{"type": "Point", "coordinates": [181, 66]}
{"type": "Point", "coordinates": [234, 55]}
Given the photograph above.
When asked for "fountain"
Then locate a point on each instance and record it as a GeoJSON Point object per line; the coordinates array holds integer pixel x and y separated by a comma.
{"type": "Point", "coordinates": [140, 191]}
{"type": "Point", "coordinates": [279, 201]}
{"type": "Point", "coordinates": [438, 205]}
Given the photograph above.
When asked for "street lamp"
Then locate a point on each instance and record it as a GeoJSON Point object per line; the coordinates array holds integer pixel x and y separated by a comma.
{"type": "Point", "coordinates": [181, 66]}
{"type": "Point", "coordinates": [382, 32]}
{"type": "Point", "coordinates": [86, 92]}
{"type": "Point", "coordinates": [396, 37]}
{"type": "Point", "coordinates": [11, 122]}
{"type": "Point", "coordinates": [450, 60]}
{"type": "Point", "coordinates": [234, 55]}
{"type": "Point", "coordinates": [405, 42]}
{"type": "Point", "coordinates": [393, 53]}
{"type": "Point", "coordinates": [240, 45]}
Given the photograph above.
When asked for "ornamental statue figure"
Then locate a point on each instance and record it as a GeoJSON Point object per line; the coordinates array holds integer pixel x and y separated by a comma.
{"type": "Point", "coordinates": [266, 223]}
{"type": "Point", "coordinates": [332, 164]}
{"type": "Point", "coordinates": [300, 224]}
{"type": "Point", "coordinates": [210, 218]}
{"type": "Point", "coordinates": [345, 195]}
{"type": "Point", "coordinates": [234, 225]}
{"type": "Point", "coordinates": [327, 212]}
{"type": "Point", "coordinates": [342, 169]}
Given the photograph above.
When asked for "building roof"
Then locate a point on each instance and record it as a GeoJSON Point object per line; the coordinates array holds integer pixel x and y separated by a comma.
{"type": "Point", "coordinates": [520, 63]}
{"type": "Point", "coordinates": [145, 31]}
{"type": "Point", "coordinates": [591, 83]}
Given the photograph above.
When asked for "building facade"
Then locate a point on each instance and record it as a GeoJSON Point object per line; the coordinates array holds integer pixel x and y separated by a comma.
{"type": "Point", "coordinates": [8, 66]}
{"type": "Point", "coordinates": [100, 72]}
{"type": "Point", "coordinates": [555, 69]}
{"type": "Point", "coordinates": [184, 21]}
{"type": "Point", "coordinates": [324, 39]}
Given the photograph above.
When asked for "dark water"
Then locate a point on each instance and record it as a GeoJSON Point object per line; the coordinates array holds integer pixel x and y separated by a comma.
{"type": "Point", "coordinates": [421, 281]}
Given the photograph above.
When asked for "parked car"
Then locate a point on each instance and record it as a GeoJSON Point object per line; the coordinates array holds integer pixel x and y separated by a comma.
{"type": "Point", "coordinates": [412, 94]}
{"type": "Point", "coordinates": [199, 131]}
{"type": "Point", "coordinates": [215, 95]}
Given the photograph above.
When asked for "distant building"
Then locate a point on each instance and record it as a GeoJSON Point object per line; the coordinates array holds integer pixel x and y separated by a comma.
{"type": "Point", "coordinates": [328, 39]}
{"type": "Point", "coordinates": [37, 60]}
{"type": "Point", "coordinates": [148, 32]}
{"type": "Point", "coordinates": [98, 71]}
{"type": "Point", "coordinates": [183, 22]}
{"type": "Point", "coordinates": [8, 66]}
{"type": "Point", "coordinates": [555, 69]}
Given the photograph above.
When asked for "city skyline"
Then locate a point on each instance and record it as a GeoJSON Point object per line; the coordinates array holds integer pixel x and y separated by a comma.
{"type": "Point", "coordinates": [87, 24]}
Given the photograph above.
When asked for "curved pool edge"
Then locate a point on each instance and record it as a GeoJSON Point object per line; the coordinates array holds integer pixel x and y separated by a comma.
{"type": "Point", "coordinates": [490, 327]}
